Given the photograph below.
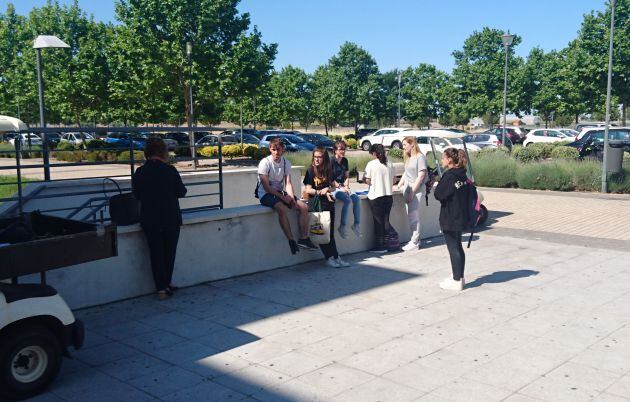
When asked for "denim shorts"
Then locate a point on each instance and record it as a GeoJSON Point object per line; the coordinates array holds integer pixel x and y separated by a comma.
{"type": "Point", "coordinates": [270, 200]}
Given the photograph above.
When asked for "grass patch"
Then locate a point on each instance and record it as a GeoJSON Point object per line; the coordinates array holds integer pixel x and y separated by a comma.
{"type": "Point", "coordinates": [545, 176]}
{"type": "Point", "coordinates": [304, 158]}
{"type": "Point", "coordinates": [494, 169]}
{"type": "Point", "coordinates": [8, 190]}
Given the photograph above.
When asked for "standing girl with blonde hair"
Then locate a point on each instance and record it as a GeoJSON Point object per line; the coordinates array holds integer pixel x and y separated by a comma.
{"type": "Point", "coordinates": [411, 185]}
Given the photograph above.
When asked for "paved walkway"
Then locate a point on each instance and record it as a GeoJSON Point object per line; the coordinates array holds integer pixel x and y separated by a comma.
{"type": "Point", "coordinates": [543, 318]}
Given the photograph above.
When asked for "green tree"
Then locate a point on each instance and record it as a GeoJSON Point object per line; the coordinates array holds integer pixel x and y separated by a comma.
{"type": "Point", "coordinates": [291, 97]}
{"type": "Point", "coordinates": [327, 96]}
{"type": "Point", "coordinates": [425, 94]}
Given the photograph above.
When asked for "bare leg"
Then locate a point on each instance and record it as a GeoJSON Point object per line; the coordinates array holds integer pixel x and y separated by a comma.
{"type": "Point", "coordinates": [303, 218]}
{"type": "Point", "coordinates": [283, 218]}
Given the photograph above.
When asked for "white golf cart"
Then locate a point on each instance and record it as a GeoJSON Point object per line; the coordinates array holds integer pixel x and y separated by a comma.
{"type": "Point", "coordinates": [36, 325]}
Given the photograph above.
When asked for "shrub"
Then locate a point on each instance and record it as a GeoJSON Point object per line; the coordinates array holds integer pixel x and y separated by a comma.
{"type": "Point", "coordinates": [433, 159]}
{"type": "Point", "coordinates": [208, 152]}
{"type": "Point", "coordinates": [65, 146]}
{"type": "Point", "coordinates": [620, 182]}
{"type": "Point", "coordinates": [564, 152]}
{"type": "Point", "coordinates": [352, 143]}
{"type": "Point", "coordinates": [587, 175]}
{"type": "Point", "coordinates": [395, 153]}
{"type": "Point", "coordinates": [97, 144]}
{"type": "Point", "coordinates": [183, 150]}
{"type": "Point", "coordinates": [261, 153]}
{"type": "Point", "coordinates": [545, 176]}
{"type": "Point", "coordinates": [516, 150]}
{"type": "Point", "coordinates": [7, 151]}
{"type": "Point", "coordinates": [531, 153]}
{"type": "Point", "coordinates": [494, 169]}
{"type": "Point", "coordinates": [125, 156]}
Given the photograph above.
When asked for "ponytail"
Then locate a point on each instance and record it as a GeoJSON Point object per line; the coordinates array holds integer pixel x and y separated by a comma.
{"type": "Point", "coordinates": [379, 152]}
{"type": "Point", "coordinates": [458, 156]}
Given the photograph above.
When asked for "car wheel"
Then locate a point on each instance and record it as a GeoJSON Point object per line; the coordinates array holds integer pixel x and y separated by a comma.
{"type": "Point", "coordinates": [366, 145]}
{"type": "Point", "coordinates": [528, 144]}
{"type": "Point", "coordinates": [30, 359]}
{"type": "Point", "coordinates": [396, 145]}
{"type": "Point", "coordinates": [483, 216]}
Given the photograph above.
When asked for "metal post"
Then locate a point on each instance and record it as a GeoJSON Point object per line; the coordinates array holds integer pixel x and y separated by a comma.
{"type": "Point", "coordinates": [220, 172]}
{"type": "Point", "coordinates": [608, 89]}
{"type": "Point", "coordinates": [241, 125]}
{"type": "Point", "coordinates": [42, 119]}
{"type": "Point", "coordinates": [18, 168]}
{"type": "Point", "coordinates": [191, 109]}
{"type": "Point", "coordinates": [398, 121]}
{"type": "Point", "coordinates": [504, 96]}
{"type": "Point", "coordinates": [437, 162]}
{"type": "Point", "coordinates": [132, 160]}
{"type": "Point", "coordinates": [470, 168]}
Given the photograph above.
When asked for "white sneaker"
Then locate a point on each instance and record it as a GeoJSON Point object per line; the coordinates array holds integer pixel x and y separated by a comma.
{"type": "Point", "coordinates": [342, 263]}
{"type": "Point", "coordinates": [343, 232]}
{"type": "Point", "coordinates": [357, 230]}
{"type": "Point", "coordinates": [410, 246]}
{"type": "Point", "coordinates": [451, 284]}
{"type": "Point", "coordinates": [331, 262]}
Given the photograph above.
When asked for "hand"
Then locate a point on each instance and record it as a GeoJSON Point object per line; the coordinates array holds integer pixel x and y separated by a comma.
{"type": "Point", "coordinates": [323, 191]}
{"type": "Point", "coordinates": [330, 197]}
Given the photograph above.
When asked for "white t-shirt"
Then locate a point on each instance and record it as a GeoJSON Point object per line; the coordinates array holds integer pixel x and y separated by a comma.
{"type": "Point", "coordinates": [275, 171]}
{"type": "Point", "coordinates": [381, 178]}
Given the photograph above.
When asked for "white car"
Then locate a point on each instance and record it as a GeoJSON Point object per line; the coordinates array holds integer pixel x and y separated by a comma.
{"type": "Point", "coordinates": [442, 139]}
{"type": "Point", "coordinates": [24, 139]}
{"type": "Point", "coordinates": [546, 136]}
{"type": "Point", "coordinates": [388, 137]}
{"type": "Point", "coordinates": [76, 138]}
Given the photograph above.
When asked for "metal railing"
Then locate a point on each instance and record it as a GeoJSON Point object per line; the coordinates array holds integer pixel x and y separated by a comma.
{"type": "Point", "coordinates": [130, 141]}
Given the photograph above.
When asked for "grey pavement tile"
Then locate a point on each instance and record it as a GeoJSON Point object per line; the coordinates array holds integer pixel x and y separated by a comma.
{"type": "Point", "coordinates": [291, 391]}
{"type": "Point", "coordinates": [520, 398]}
{"type": "Point", "coordinates": [93, 339]}
{"type": "Point", "coordinates": [45, 397]}
{"type": "Point", "coordinates": [92, 384]}
{"type": "Point", "coordinates": [268, 309]}
{"type": "Point", "coordinates": [379, 390]}
{"type": "Point", "coordinates": [295, 363]}
{"type": "Point", "coordinates": [183, 353]}
{"type": "Point", "coordinates": [386, 357]}
{"type": "Point", "coordinates": [205, 391]}
{"type": "Point", "coordinates": [215, 365]}
{"type": "Point", "coordinates": [462, 389]}
{"type": "Point", "coordinates": [448, 361]}
{"type": "Point", "coordinates": [235, 318]}
{"type": "Point", "coordinates": [152, 341]}
{"type": "Point", "coordinates": [124, 330]}
{"type": "Point", "coordinates": [585, 377]}
{"type": "Point", "coordinates": [335, 379]}
{"type": "Point", "coordinates": [418, 376]}
{"type": "Point", "coordinates": [348, 343]}
{"type": "Point", "coordinates": [259, 351]}
{"type": "Point", "coordinates": [134, 366]}
{"type": "Point", "coordinates": [252, 379]}
{"type": "Point", "coordinates": [621, 387]}
{"type": "Point", "coordinates": [195, 328]}
{"type": "Point", "coordinates": [302, 336]}
{"type": "Point", "coordinates": [166, 381]}
{"type": "Point", "coordinates": [167, 320]}
{"type": "Point", "coordinates": [105, 353]}
{"type": "Point", "coordinates": [606, 397]}
{"type": "Point", "coordinates": [227, 339]}
{"type": "Point", "coordinates": [548, 389]}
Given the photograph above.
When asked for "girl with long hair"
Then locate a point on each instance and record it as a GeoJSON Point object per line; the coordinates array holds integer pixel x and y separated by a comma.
{"type": "Point", "coordinates": [380, 175]}
{"type": "Point", "coordinates": [411, 184]}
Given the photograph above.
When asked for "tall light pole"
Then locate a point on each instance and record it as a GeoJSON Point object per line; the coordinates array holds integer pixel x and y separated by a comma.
{"type": "Point", "coordinates": [608, 88]}
{"type": "Point", "coordinates": [41, 42]}
{"type": "Point", "coordinates": [191, 110]}
{"type": "Point", "coordinates": [398, 120]}
{"type": "Point", "coordinates": [507, 41]}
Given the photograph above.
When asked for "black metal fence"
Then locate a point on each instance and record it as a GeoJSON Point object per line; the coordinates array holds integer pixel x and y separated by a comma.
{"type": "Point", "coordinates": [118, 142]}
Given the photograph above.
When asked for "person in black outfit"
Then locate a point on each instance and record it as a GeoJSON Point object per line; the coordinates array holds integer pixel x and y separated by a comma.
{"type": "Point", "coordinates": [453, 192]}
{"type": "Point", "coordinates": [158, 186]}
{"type": "Point", "coordinates": [318, 182]}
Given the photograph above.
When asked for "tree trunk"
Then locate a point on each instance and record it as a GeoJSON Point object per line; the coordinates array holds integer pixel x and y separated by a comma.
{"type": "Point", "coordinates": [624, 107]}
{"type": "Point", "coordinates": [577, 118]}
{"type": "Point", "coordinates": [326, 125]}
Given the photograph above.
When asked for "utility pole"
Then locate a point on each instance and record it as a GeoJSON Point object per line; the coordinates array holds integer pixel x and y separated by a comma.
{"type": "Point", "coordinates": [608, 89]}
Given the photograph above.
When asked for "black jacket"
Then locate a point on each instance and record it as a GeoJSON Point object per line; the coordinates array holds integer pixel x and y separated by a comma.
{"type": "Point", "coordinates": [158, 186]}
{"type": "Point", "coordinates": [453, 192]}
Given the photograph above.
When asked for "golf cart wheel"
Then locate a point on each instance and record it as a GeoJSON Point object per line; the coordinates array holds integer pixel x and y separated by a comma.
{"type": "Point", "coordinates": [396, 145]}
{"type": "Point", "coordinates": [30, 358]}
{"type": "Point", "coordinates": [366, 145]}
{"type": "Point", "coordinates": [483, 216]}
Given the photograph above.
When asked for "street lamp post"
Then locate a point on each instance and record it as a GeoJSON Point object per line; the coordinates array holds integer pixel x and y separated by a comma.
{"type": "Point", "coordinates": [191, 110]}
{"type": "Point", "coordinates": [45, 41]}
{"type": "Point", "coordinates": [507, 41]}
{"type": "Point", "coordinates": [608, 89]}
{"type": "Point", "coordinates": [399, 78]}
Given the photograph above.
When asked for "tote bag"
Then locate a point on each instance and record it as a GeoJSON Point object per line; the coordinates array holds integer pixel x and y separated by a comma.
{"type": "Point", "coordinates": [124, 208]}
{"type": "Point", "coordinates": [318, 223]}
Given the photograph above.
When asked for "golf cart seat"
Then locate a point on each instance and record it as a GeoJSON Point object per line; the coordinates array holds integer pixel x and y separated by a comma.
{"type": "Point", "coordinates": [14, 293]}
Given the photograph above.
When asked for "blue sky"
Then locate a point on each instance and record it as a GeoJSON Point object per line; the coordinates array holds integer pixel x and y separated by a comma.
{"type": "Point", "coordinates": [397, 33]}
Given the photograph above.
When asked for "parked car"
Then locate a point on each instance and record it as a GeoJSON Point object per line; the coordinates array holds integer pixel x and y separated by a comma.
{"type": "Point", "coordinates": [53, 138]}
{"type": "Point", "coordinates": [544, 135]}
{"type": "Point", "coordinates": [569, 132]}
{"type": "Point", "coordinates": [25, 139]}
{"type": "Point", "coordinates": [249, 131]}
{"type": "Point", "coordinates": [319, 140]}
{"type": "Point", "coordinates": [582, 126]}
{"type": "Point", "coordinates": [592, 142]}
{"type": "Point", "coordinates": [586, 130]}
{"type": "Point", "coordinates": [484, 140]}
{"type": "Point", "coordinates": [7, 137]}
{"type": "Point", "coordinates": [247, 138]}
{"type": "Point", "coordinates": [442, 139]}
{"type": "Point", "coordinates": [181, 138]}
{"type": "Point", "coordinates": [123, 140]}
{"type": "Point", "coordinates": [77, 138]}
{"type": "Point", "coordinates": [213, 140]}
{"type": "Point", "coordinates": [141, 139]}
{"type": "Point", "coordinates": [388, 137]}
{"type": "Point", "coordinates": [516, 134]}
{"type": "Point", "coordinates": [362, 132]}
{"type": "Point", "coordinates": [292, 143]}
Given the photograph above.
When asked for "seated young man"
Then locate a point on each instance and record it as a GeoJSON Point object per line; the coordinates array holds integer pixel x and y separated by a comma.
{"type": "Point", "coordinates": [275, 191]}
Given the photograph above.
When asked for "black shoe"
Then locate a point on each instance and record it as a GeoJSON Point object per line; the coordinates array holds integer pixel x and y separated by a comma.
{"type": "Point", "coordinates": [294, 247]}
{"type": "Point", "coordinates": [378, 250]}
{"type": "Point", "coordinates": [307, 244]}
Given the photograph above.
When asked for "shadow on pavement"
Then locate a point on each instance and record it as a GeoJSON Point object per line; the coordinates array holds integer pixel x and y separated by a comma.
{"type": "Point", "coordinates": [501, 276]}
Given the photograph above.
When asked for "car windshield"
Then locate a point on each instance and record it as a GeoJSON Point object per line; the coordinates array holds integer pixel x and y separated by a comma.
{"type": "Point", "coordinates": [294, 139]}
{"type": "Point", "coordinates": [440, 141]}
{"type": "Point", "coordinates": [455, 141]}
{"type": "Point", "coordinates": [319, 137]}
{"type": "Point", "coordinates": [571, 133]}
{"type": "Point", "coordinates": [246, 137]}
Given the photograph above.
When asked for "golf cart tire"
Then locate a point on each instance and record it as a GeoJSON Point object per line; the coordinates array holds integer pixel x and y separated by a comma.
{"type": "Point", "coordinates": [365, 145]}
{"type": "Point", "coordinates": [483, 216]}
{"type": "Point", "coordinates": [396, 145]}
{"type": "Point", "coordinates": [43, 345]}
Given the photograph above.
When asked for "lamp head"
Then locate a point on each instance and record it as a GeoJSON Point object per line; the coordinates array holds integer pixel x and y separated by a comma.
{"type": "Point", "coordinates": [507, 39]}
{"type": "Point", "coordinates": [43, 41]}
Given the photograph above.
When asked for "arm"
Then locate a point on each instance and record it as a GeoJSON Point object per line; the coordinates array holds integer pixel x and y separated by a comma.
{"type": "Point", "coordinates": [418, 183]}
{"type": "Point", "coordinates": [180, 188]}
{"type": "Point", "coordinates": [264, 180]}
{"type": "Point", "coordinates": [444, 189]}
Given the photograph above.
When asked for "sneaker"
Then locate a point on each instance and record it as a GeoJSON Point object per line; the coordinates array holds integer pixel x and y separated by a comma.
{"type": "Point", "coordinates": [307, 244]}
{"type": "Point", "coordinates": [357, 230]}
{"type": "Point", "coordinates": [331, 262]}
{"type": "Point", "coordinates": [410, 246]}
{"type": "Point", "coordinates": [294, 247]}
{"type": "Point", "coordinates": [342, 263]}
{"type": "Point", "coordinates": [378, 250]}
{"type": "Point", "coordinates": [343, 232]}
{"type": "Point", "coordinates": [451, 284]}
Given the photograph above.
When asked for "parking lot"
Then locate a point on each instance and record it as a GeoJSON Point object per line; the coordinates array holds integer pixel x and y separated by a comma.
{"type": "Point", "coordinates": [545, 316]}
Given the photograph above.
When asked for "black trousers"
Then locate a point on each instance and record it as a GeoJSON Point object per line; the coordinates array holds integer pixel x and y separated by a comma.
{"type": "Point", "coordinates": [456, 252]}
{"type": "Point", "coordinates": [381, 208]}
{"type": "Point", "coordinates": [162, 249]}
{"type": "Point", "coordinates": [330, 249]}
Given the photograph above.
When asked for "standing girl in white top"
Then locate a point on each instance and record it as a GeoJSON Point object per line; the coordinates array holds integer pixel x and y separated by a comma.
{"type": "Point", "coordinates": [379, 174]}
{"type": "Point", "coordinates": [411, 185]}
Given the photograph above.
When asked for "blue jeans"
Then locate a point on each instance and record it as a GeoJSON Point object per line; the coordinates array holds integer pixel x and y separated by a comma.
{"type": "Point", "coordinates": [356, 206]}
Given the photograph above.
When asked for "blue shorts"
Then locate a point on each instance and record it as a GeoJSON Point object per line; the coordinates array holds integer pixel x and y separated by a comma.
{"type": "Point", "coordinates": [270, 200]}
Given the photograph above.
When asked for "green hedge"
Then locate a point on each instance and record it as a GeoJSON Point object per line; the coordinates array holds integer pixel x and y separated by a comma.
{"type": "Point", "coordinates": [494, 169]}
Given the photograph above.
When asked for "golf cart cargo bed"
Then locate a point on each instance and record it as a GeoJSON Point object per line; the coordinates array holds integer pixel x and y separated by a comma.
{"type": "Point", "coordinates": [55, 243]}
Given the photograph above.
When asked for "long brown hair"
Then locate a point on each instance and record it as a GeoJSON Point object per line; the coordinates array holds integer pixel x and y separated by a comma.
{"type": "Point", "coordinates": [458, 156]}
{"type": "Point", "coordinates": [379, 151]}
{"type": "Point", "coordinates": [415, 148]}
{"type": "Point", "coordinates": [325, 169]}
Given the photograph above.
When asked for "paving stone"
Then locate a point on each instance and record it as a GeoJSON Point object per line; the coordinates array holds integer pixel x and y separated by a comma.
{"type": "Point", "coordinates": [335, 378]}
{"type": "Point", "coordinates": [379, 390]}
{"type": "Point", "coordinates": [166, 381]}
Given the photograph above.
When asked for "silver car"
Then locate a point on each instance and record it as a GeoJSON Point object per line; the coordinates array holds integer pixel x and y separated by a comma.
{"type": "Point", "coordinates": [485, 140]}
